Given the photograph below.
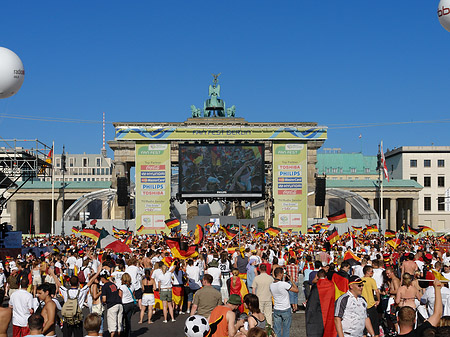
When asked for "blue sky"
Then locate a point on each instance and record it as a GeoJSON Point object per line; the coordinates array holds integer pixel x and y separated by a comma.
{"type": "Point", "coordinates": [337, 63]}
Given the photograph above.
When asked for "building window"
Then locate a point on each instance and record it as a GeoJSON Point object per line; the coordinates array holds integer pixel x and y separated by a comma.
{"type": "Point", "coordinates": [441, 181]}
{"type": "Point", "coordinates": [93, 171]}
{"type": "Point", "coordinates": [99, 162]}
{"type": "Point", "coordinates": [85, 162]}
{"type": "Point", "coordinates": [341, 170]}
{"type": "Point", "coordinates": [58, 162]}
{"type": "Point", "coordinates": [441, 204]}
{"type": "Point", "coordinates": [413, 163]}
{"type": "Point", "coordinates": [71, 162]}
{"type": "Point", "coordinates": [413, 178]}
{"type": "Point", "coordinates": [441, 163]}
{"type": "Point", "coordinates": [352, 170]}
{"type": "Point", "coordinates": [98, 171]}
{"type": "Point", "coordinates": [367, 170]}
{"type": "Point", "coordinates": [103, 171]}
{"type": "Point", "coordinates": [107, 171]}
{"type": "Point", "coordinates": [426, 181]}
{"type": "Point", "coordinates": [426, 163]}
{"type": "Point", "coordinates": [427, 203]}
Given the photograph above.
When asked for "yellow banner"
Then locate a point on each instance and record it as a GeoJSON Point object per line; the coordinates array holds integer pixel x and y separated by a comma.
{"type": "Point", "coordinates": [290, 188]}
{"type": "Point", "coordinates": [152, 186]}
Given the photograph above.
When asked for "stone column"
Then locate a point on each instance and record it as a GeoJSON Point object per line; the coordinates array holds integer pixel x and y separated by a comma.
{"type": "Point", "coordinates": [393, 214]}
{"type": "Point", "coordinates": [348, 209]}
{"type": "Point", "coordinates": [37, 216]}
{"type": "Point", "coordinates": [59, 210]}
{"type": "Point", "coordinates": [192, 209]}
{"type": "Point", "coordinates": [415, 212]}
{"type": "Point", "coordinates": [12, 205]}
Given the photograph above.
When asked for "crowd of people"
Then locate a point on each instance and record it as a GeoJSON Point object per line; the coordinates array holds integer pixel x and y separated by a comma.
{"type": "Point", "coordinates": [356, 286]}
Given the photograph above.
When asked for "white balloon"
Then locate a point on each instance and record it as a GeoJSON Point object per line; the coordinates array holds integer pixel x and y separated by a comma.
{"type": "Point", "coordinates": [444, 14]}
{"type": "Point", "coordinates": [11, 73]}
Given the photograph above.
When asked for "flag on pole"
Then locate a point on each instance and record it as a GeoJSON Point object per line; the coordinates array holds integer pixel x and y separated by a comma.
{"type": "Point", "coordinates": [172, 223]}
{"type": "Point", "coordinates": [333, 237]}
{"type": "Point", "coordinates": [337, 217]}
{"type": "Point", "coordinates": [389, 234]}
{"type": "Point", "coordinates": [198, 235]}
{"type": "Point", "coordinates": [383, 163]}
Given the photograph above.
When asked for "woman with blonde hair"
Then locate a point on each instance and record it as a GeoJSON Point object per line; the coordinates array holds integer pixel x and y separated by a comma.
{"type": "Point", "coordinates": [237, 286]}
{"type": "Point", "coordinates": [407, 293]}
{"type": "Point", "coordinates": [129, 303]}
{"type": "Point", "coordinates": [164, 283]}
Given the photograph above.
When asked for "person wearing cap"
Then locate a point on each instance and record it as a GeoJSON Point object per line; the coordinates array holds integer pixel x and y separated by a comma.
{"type": "Point", "coordinates": [350, 314]}
{"type": "Point", "coordinates": [226, 327]}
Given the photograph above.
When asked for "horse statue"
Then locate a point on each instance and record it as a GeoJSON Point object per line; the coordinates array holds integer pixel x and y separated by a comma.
{"type": "Point", "coordinates": [195, 112]}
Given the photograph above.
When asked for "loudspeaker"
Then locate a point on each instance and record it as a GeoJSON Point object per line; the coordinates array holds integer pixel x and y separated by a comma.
{"type": "Point", "coordinates": [122, 191]}
{"type": "Point", "coordinates": [320, 191]}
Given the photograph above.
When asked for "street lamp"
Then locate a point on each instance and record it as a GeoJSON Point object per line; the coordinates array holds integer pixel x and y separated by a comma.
{"type": "Point", "coordinates": [63, 169]}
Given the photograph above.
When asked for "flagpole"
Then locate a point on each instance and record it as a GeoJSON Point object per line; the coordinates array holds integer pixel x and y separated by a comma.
{"type": "Point", "coordinates": [53, 189]}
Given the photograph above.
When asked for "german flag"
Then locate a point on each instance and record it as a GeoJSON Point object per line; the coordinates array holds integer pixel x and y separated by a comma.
{"type": "Point", "coordinates": [394, 242]}
{"type": "Point", "coordinates": [289, 231]}
{"type": "Point", "coordinates": [351, 258]}
{"type": "Point", "coordinates": [340, 285]}
{"type": "Point", "coordinates": [320, 309]}
{"type": "Point", "coordinates": [178, 295]}
{"type": "Point", "coordinates": [426, 229]}
{"type": "Point", "coordinates": [75, 229]}
{"type": "Point", "coordinates": [94, 234]}
{"type": "Point", "coordinates": [413, 231]}
{"type": "Point", "coordinates": [179, 249]}
{"type": "Point", "coordinates": [333, 237]}
{"type": "Point", "coordinates": [129, 240]}
{"type": "Point", "coordinates": [259, 235]}
{"type": "Point", "coordinates": [229, 233]}
{"type": "Point", "coordinates": [310, 231]}
{"type": "Point", "coordinates": [372, 229]}
{"type": "Point", "coordinates": [273, 231]}
{"type": "Point", "coordinates": [357, 228]}
{"type": "Point", "coordinates": [198, 235]}
{"type": "Point", "coordinates": [140, 229]}
{"type": "Point", "coordinates": [389, 234]}
{"type": "Point", "coordinates": [338, 217]}
{"type": "Point", "coordinates": [172, 223]}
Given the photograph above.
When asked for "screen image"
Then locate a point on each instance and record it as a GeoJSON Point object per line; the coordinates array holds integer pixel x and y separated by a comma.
{"type": "Point", "coordinates": [235, 170]}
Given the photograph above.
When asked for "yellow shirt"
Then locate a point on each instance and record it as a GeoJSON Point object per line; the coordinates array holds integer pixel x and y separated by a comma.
{"type": "Point", "coordinates": [370, 287]}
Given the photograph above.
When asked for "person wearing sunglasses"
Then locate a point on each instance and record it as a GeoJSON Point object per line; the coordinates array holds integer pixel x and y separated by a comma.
{"type": "Point", "coordinates": [350, 314]}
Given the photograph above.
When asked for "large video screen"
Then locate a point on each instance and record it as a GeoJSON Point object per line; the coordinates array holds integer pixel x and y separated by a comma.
{"type": "Point", "coordinates": [233, 170]}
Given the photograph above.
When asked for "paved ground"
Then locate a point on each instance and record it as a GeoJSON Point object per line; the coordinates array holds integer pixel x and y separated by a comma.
{"type": "Point", "coordinates": [175, 329]}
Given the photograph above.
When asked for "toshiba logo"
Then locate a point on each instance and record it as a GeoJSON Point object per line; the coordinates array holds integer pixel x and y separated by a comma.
{"type": "Point", "coordinates": [443, 11]}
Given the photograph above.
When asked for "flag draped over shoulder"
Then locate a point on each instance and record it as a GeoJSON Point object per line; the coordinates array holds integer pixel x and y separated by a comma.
{"type": "Point", "coordinates": [198, 235]}
{"type": "Point", "coordinates": [180, 249]}
{"type": "Point", "coordinates": [320, 310]}
{"type": "Point", "coordinates": [337, 217]}
{"type": "Point", "coordinates": [340, 285]}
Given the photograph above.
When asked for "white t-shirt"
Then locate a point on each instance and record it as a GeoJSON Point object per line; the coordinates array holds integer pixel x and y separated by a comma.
{"type": "Point", "coordinates": [193, 274]}
{"type": "Point", "coordinates": [2, 280]}
{"type": "Point", "coordinates": [117, 277]}
{"type": "Point", "coordinates": [136, 276]}
{"type": "Point", "coordinates": [21, 301]}
{"type": "Point", "coordinates": [73, 292]}
{"type": "Point", "coordinates": [165, 279]}
{"type": "Point", "coordinates": [71, 262]}
{"type": "Point", "coordinates": [127, 296]}
{"type": "Point", "coordinates": [280, 293]}
{"type": "Point", "coordinates": [156, 273]}
{"type": "Point", "coordinates": [215, 273]}
{"type": "Point", "coordinates": [378, 276]}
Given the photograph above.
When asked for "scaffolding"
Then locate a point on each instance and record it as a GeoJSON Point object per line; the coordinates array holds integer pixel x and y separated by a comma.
{"type": "Point", "coordinates": [22, 160]}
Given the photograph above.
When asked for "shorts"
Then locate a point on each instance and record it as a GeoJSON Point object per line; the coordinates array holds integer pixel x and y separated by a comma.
{"type": "Point", "coordinates": [165, 295]}
{"type": "Point", "coordinates": [37, 281]}
{"type": "Point", "coordinates": [373, 316]}
{"type": "Point", "coordinates": [19, 331]}
{"type": "Point", "coordinates": [138, 294]}
{"type": "Point", "coordinates": [148, 299]}
{"type": "Point", "coordinates": [190, 294]}
{"type": "Point", "coordinates": [97, 309]}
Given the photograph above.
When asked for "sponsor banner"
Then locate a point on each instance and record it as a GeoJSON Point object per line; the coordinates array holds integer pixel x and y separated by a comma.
{"type": "Point", "coordinates": [152, 186]}
{"type": "Point", "coordinates": [217, 133]}
{"type": "Point", "coordinates": [290, 194]}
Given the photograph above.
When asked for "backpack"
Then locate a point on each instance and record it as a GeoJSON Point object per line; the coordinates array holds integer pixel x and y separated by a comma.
{"type": "Point", "coordinates": [71, 311]}
{"type": "Point", "coordinates": [81, 276]}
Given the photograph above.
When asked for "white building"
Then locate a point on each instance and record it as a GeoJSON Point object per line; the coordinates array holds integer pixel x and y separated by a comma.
{"type": "Point", "coordinates": [429, 166]}
{"type": "Point", "coordinates": [84, 167]}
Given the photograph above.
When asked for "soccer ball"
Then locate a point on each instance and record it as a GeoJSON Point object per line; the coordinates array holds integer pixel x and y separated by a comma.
{"type": "Point", "coordinates": [196, 326]}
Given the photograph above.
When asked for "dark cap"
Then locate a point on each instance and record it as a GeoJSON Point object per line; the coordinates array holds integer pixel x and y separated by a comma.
{"type": "Point", "coordinates": [355, 280]}
{"type": "Point", "coordinates": [235, 299]}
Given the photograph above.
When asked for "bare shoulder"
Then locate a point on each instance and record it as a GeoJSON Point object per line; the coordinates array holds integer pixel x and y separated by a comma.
{"type": "Point", "coordinates": [5, 315]}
